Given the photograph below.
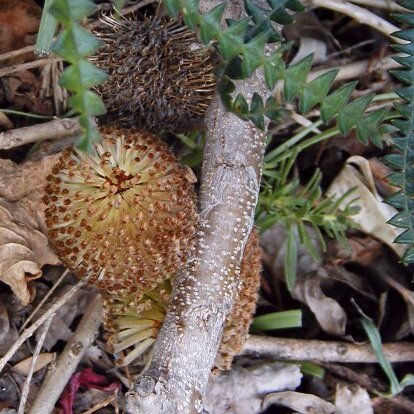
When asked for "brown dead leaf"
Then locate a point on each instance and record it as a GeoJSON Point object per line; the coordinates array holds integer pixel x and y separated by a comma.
{"type": "Point", "coordinates": [24, 247]}
{"type": "Point", "coordinates": [329, 314]}
{"type": "Point", "coordinates": [43, 359]}
{"type": "Point", "coordinates": [19, 21]}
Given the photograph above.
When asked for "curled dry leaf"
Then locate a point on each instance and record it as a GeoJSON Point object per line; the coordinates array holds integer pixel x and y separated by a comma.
{"type": "Point", "coordinates": [373, 213]}
{"type": "Point", "coordinates": [329, 314]}
{"type": "Point", "coordinates": [24, 247]}
{"type": "Point", "coordinates": [300, 402]}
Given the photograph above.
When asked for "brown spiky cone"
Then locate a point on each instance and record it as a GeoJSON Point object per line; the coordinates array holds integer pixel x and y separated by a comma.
{"type": "Point", "coordinates": [126, 214]}
{"type": "Point", "coordinates": [133, 326]}
{"type": "Point", "coordinates": [159, 75]}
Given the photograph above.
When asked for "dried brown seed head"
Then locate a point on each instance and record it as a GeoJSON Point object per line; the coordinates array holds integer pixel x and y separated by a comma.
{"type": "Point", "coordinates": [126, 214]}
{"type": "Point", "coordinates": [238, 322]}
{"type": "Point", "coordinates": [159, 77]}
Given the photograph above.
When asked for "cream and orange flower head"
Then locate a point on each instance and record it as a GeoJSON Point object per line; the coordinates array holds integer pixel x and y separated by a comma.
{"type": "Point", "coordinates": [126, 214]}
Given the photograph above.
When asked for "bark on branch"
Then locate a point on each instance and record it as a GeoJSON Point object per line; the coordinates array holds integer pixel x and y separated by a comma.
{"type": "Point", "coordinates": [203, 293]}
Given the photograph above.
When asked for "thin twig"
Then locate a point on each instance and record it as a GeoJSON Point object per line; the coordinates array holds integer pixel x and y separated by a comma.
{"type": "Point", "coordinates": [359, 14]}
{"type": "Point", "coordinates": [102, 404]}
{"type": "Point", "coordinates": [26, 386]}
{"type": "Point", "coordinates": [38, 323]}
{"type": "Point", "coordinates": [332, 351]}
{"type": "Point", "coordinates": [65, 366]}
{"type": "Point", "coordinates": [56, 129]}
{"type": "Point", "coordinates": [45, 298]}
{"type": "Point", "coordinates": [29, 65]}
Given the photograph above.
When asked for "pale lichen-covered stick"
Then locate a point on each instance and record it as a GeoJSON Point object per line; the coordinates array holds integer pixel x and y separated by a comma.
{"type": "Point", "coordinates": [133, 325]}
{"type": "Point", "coordinates": [203, 293]}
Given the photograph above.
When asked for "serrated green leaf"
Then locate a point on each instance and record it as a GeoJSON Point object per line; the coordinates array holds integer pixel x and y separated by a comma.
{"type": "Point", "coordinates": [315, 91]}
{"type": "Point", "coordinates": [350, 115]}
{"type": "Point", "coordinates": [88, 103]}
{"type": "Point", "coordinates": [334, 102]}
{"type": "Point", "coordinates": [240, 105]}
{"type": "Point", "coordinates": [82, 75]}
{"type": "Point", "coordinates": [274, 69]}
{"type": "Point", "coordinates": [295, 77]}
{"type": "Point", "coordinates": [232, 39]}
{"type": "Point", "coordinates": [369, 127]}
{"type": "Point", "coordinates": [211, 24]}
{"type": "Point", "coordinates": [252, 54]}
{"type": "Point", "coordinates": [69, 11]}
{"type": "Point", "coordinates": [75, 43]}
{"type": "Point", "coordinates": [273, 110]}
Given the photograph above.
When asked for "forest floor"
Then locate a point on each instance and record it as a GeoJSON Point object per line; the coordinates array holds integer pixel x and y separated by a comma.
{"type": "Point", "coordinates": [317, 357]}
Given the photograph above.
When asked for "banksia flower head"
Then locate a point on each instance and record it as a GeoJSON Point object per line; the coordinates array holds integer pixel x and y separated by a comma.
{"type": "Point", "coordinates": [133, 326]}
{"type": "Point", "coordinates": [159, 77]}
{"type": "Point", "coordinates": [125, 215]}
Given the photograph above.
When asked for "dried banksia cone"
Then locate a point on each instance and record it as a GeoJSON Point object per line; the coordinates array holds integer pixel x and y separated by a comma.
{"type": "Point", "coordinates": [125, 215]}
{"type": "Point", "coordinates": [159, 76]}
{"type": "Point", "coordinates": [133, 326]}
{"type": "Point", "coordinates": [238, 322]}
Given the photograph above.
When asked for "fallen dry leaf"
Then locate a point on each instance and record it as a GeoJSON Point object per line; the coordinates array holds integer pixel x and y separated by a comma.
{"type": "Point", "coordinates": [24, 247]}
{"type": "Point", "coordinates": [43, 359]}
{"type": "Point", "coordinates": [19, 20]}
{"type": "Point", "coordinates": [373, 214]}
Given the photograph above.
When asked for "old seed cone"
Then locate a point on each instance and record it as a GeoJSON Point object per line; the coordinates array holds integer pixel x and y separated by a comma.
{"type": "Point", "coordinates": [159, 76]}
{"type": "Point", "coordinates": [126, 215]}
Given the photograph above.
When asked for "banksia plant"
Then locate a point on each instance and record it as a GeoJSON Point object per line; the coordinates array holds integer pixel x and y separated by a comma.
{"type": "Point", "coordinates": [236, 329]}
{"type": "Point", "coordinates": [133, 325]}
{"type": "Point", "coordinates": [159, 76]}
{"type": "Point", "coordinates": [125, 215]}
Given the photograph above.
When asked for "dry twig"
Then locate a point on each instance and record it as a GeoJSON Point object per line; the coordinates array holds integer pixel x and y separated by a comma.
{"type": "Point", "coordinates": [204, 292]}
{"type": "Point", "coordinates": [45, 298]}
{"type": "Point", "coordinates": [324, 351]}
{"type": "Point", "coordinates": [60, 374]}
{"type": "Point", "coordinates": [26, 386]}
{"type": "Point", "coordinates": [56, 129]}
{"type": "Point", "coordinates": [39, 322]}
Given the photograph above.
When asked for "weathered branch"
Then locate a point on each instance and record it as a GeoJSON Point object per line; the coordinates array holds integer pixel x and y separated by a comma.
{"type": "Point", "coordinates": [56, 129]}
{"type": "Point", "coordinates": [203, 293]}
{"type": "Point", "coordinates": [324, 351]}
{"type": "Point", "coordinates": [59, 375]}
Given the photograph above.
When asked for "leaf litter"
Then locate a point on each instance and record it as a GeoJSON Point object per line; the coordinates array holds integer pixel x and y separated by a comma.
{"type": "Point", "coordinates": [366, 268]}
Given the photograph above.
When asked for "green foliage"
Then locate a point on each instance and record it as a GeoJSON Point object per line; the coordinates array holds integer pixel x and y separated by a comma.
{"type": "Point", "coordinates": [74, 45]}
{"type": "Point", "coordinates": [402, 160]}
{"type": "Point", "coordinates": [278, 320]}
{"type": "Point", "coordinates": [375, 340]}
{"type": "Point", "coordinates": [242, 48]}
{"type": "Point", "coordinates": [282, 200]}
